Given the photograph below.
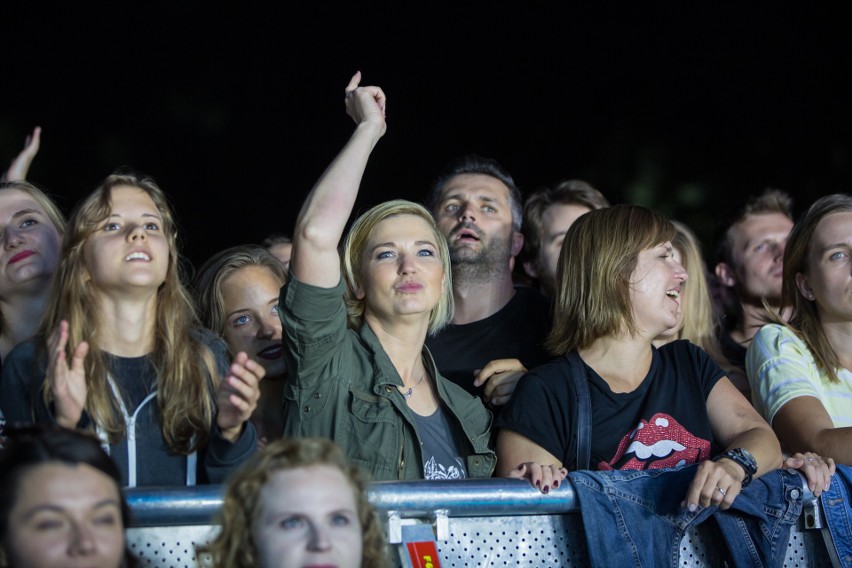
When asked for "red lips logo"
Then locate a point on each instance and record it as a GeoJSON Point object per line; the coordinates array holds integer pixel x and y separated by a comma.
{"type": "Point", "coordinates": [658, 443]}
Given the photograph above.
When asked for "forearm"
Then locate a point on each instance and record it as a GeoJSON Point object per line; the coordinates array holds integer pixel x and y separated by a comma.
{"type": "Point", "coordinates": [328, 206]}
{"type": "Point", "coordinates": [761, 442]}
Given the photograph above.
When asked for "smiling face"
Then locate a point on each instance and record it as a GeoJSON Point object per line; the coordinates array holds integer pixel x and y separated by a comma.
{"type": "Point", "coordinates": [129, 250]}
{"type": "Point", "coordinates": [828, 281]}
{"type": "Point", "coordinates": [757, 250]}
{"type": "Point", "coordinates": [308, 517]}
{"type": "Point", "coordinates": [475, 216]}
{"type": "Point", "coordinates": [66, 517]}
{"type": "Point", "coordinates": [252, 324]}
{"type": "Point", "coordinates": [402, 274]}
{"type": "Point", "coordinates": [655, 287]}
{"type": "Point", "coordinates": [556, 220]}
{"type": "Point", "coordinates": [30, 244]}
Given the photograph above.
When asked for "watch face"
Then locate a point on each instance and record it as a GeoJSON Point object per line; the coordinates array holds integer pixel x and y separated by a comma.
{"type": "Point", "coordinates": [746, 459]}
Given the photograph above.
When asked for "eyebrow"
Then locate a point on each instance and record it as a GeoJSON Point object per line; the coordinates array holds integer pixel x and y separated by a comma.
{"type": "Point", "coordinates": [458, 196]}
{"type": "Point", "coordinates": [154, 215]}
{"type": "Point", "coordinates": [23, 212]}
{"type": "Point", "coordinates": [833, 246]}
{"type": "Point", "coordinates": [48, 507]}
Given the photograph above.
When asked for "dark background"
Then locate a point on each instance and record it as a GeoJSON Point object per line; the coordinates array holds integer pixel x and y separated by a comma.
{"type": "Point", "coordinates": [236, 111]}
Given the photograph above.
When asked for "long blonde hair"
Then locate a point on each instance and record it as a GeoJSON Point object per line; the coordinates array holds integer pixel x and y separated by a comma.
{"type": "Point", "coordinates": [186, 371]}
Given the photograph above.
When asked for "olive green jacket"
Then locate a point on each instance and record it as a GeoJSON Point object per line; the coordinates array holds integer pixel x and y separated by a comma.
{"type": "Point", "coordinates": [343, 386]}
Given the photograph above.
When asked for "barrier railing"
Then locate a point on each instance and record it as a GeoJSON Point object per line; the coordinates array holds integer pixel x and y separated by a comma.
{"type": "Point", "coordinates": [484, 522]}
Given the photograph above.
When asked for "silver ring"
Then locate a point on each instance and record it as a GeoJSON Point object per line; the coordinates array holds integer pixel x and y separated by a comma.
{"type": "Point", "coordinates": [720, 490]}
{"type": "Point", "coordinates": [810, 460]}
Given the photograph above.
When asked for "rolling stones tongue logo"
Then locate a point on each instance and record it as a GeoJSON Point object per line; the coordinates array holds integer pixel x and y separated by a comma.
{"type": "Point", "coordinates": [658, 443]}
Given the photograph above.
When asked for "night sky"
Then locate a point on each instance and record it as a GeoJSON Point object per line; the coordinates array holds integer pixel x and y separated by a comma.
{"type": "Point", "coordinates": [235, 112]}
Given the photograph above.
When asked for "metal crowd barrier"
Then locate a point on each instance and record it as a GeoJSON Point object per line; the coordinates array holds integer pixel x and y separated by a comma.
{"type": "Point", "coordinates": [483, 522]}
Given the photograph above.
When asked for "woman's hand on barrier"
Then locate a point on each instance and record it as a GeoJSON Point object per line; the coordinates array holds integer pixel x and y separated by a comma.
{"type": "Point", "coordinates": [816, 469]}
{"type": "Point", "coordinates": [540, 476]}
{"type": "Point", "coordinates": [238, 395]}
{"type": "Point", "coordinates": [500, 378]}
{"type": "Point", "coordinates": [67, 382]}
{"type": "Point", "coordinates": [20, 166]}
{"type": "Point", "coordinates": [715, 483]}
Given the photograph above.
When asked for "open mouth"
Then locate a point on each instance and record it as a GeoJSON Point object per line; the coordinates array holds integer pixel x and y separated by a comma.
{"type": "Point", "coordinates": [271, 353]}
{"type": "Point", "coordinates": [673, 294]}
{"type": "Point", "coordinates": [466, 234]}
{"type": "Point", "coordinates": [137, 256]}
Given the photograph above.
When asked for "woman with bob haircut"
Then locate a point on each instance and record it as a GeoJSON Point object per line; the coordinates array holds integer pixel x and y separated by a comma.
{"type": "Point", "coordinates": [297, 502]}
{"type": "Point", "coordinates": [800, 371]}
{"type": "Point", "coordinates": [696, 321]}
{"type": "Point", "coordinates": [236, 292]}
{"type": "Point", "coordinates": [372, 386]}
{"type": "Point", "coordinates": [121, 351]}
{"type": "Point", "coordinates": [60, 502]}
{"type": "Point", "coordinates": [619, 289]}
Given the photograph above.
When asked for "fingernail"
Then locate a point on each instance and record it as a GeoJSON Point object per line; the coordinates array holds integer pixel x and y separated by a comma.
{"type": "Point", "coordinates": [545, 489]}
{"type": "Point", "coordinates": [692, 507]}
{"type": "Point", "coordinates": [538, 483]}
{"type": "Point", "coordinates": [555, 484]}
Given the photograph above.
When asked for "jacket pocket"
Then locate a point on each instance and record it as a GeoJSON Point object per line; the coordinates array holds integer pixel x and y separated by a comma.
{"type": "Point", "coordinates": [372, 437]}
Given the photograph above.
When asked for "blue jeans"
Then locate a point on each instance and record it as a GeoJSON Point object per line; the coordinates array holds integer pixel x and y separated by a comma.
{"type": "Point", "coordinates": [838, 514]}
{"type": "Point", "coordinates": [635, 518]}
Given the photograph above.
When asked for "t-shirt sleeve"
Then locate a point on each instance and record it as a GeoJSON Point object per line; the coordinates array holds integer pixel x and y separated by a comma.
{"type": "Point", "coordinates": [707, 370]}
{"type": "Point", "coordinates": [780, 368]}
{"type": "Point", "coordinates": [314, 322]}
{"type": "Point", "coordinates": [536, 412]}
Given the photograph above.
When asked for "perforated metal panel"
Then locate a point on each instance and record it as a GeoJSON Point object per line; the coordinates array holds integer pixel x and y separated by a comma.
{"type": "Point", "coordinates": [530, 540]}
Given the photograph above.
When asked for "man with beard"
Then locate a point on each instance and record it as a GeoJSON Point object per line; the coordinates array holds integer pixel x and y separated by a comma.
{"type": "Point", "coordinates": [750, 255]}
{"type": "Point", "coordinates": [498, 330]}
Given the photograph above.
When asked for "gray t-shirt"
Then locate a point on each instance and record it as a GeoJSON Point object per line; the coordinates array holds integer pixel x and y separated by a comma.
{"type": "Point", "coordinates": [442, 453]}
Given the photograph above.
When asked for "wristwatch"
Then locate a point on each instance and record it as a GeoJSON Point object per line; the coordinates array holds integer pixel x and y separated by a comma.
{"type": "Point", "coordinates": [744, 459]}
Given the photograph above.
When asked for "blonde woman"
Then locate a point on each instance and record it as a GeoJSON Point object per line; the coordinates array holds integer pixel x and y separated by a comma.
{"type": "Point", "coordinates": [124, 354]}
{"type": "Point", "coordinates": [371, 386]}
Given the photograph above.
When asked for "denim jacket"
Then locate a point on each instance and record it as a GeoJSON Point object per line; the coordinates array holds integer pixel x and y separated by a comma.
{"type": "Point", "coordinates": [343, 386]}
{"type": "Point", "coordinates": [838, 513]}
{"type": "Point", "coordinates": [634, 517]}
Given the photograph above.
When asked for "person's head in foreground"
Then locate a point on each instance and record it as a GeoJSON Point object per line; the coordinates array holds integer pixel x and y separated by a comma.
{"type": "Point", "coordinates": [297, 503]}
{"type": "Point", "coordinates": [60, 502]}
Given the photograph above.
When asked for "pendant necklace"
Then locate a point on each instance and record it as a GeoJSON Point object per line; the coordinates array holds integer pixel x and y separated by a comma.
{"type": "Point", "coordinates": [407, 394]}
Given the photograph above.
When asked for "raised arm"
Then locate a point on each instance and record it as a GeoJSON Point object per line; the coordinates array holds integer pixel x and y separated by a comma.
{"type": "Point", "coordinates": [20, 166]}
{"type": "Point", "coordinates": [326, 210]}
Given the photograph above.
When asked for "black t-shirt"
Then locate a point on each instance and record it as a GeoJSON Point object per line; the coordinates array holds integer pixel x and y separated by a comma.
{"type": "Point", "coordinates": [516, 331]}
{"type": "Point", "coordinates": [663, 423]}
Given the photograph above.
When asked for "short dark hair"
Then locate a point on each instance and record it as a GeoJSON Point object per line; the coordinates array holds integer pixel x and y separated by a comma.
{"type": "Point", "coordinates": [567, 192]}
{"type": "Point", "coordinates": [275, 239]}
{"type": "Point", "coordinates": [478, 165]}
{"type": "Point", "coordinates": [770, 200]}
{"type": "Point", "coordinates": [33, 445]}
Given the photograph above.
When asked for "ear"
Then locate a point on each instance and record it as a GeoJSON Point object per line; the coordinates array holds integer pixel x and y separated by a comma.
{"type": "Point", "coordinates": [517, 243]}
{"type": "Point", "coordinates": [531, 268]}
{"type": "Point", "coordinates": [359, 291]}
{"type": "Point", "coordinates": [725, 274]}
{"type": "Point", "coordinates": [804, 286]}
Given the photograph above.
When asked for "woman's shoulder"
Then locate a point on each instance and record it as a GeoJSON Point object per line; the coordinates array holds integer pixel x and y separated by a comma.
{"type": "Point", "coordinates": [24, 352]}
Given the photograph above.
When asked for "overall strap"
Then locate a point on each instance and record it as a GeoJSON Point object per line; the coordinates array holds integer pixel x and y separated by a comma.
{"type": "Point", "coordinates": [583, 415]}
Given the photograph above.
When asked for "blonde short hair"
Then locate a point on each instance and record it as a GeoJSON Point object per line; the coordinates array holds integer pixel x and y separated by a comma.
{"type": "Point", "coordinates": [353, 260]}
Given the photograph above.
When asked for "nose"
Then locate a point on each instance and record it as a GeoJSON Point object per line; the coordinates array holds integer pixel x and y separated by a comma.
{"type": "Point", "coordinates": [270, 327]}
{"type": "Point", "coordinates": [319, 538]}
{"type": "Point", "coordinates": [778, 250]}
{"type": "Point", "coordinates": [406, 264]}
{"type": "Point", "coordinates": [137, 232]}
{"type": "Point", "coordinates": [680, 272]}
{"type": "Point", "coordinates": [82, 541]}
{"type": "Point", "coordinates": [467, 212]}
{"type": "Point", "coordinates": [12, 238]}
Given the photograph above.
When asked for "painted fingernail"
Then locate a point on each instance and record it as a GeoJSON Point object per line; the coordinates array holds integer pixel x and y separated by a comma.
{"type": "Point", "coordinates": [545, 489]}
{"type": "Point", "coordinates": [555, 484]}
{"type": "Point", "coordinates": [538, 483]}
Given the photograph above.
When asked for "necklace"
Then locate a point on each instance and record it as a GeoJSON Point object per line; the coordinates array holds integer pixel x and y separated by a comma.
{"type": "Point", "coordinates": [410, 391]}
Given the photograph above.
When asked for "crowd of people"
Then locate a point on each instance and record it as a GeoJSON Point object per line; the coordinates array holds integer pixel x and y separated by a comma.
{"type": "Point", "coordinates": [479, 335]}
